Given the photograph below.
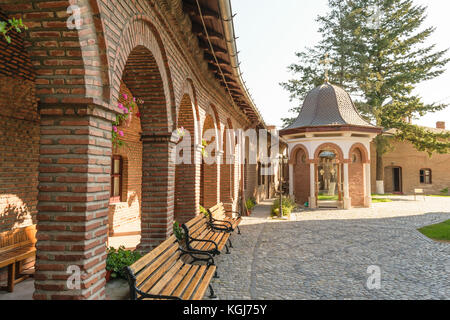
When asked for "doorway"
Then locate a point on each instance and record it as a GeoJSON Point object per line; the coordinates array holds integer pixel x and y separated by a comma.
{"type": "Point", "coordinates": [397, 179]}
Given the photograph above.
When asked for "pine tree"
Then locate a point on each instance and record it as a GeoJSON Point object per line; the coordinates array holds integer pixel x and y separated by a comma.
{"type": "Point", "coordinates": [380, 55]}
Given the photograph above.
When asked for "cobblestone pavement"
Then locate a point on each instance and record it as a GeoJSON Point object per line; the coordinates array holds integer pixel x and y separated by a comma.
{"type": "Point", "coordinates": [326, 254]}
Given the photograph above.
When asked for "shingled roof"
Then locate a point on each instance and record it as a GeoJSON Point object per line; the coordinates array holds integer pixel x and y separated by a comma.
{"type": "Point", "coordinates": [328, 105]}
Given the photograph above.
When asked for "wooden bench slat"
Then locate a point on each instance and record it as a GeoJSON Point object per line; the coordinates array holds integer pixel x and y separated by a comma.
{"type": "Point", "coordinates": [190, 289]}
{"type": "Point", "coordinates": [175, 281]}
{"type": "Point", "coordinates": [204, 284]}
{"type": "Point", "coordinates": [171, 252]}
{"type": "Point", "coordinates": [159, 286]}
{"type": "Point", "coordinates": [159, 271]}
{"type": "Point", "coordinates": [183, 284]}
{"type": "Point", "coordinates": [149, 257]}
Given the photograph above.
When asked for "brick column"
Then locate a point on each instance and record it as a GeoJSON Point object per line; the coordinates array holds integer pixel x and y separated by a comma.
{"type": "Point", "coordinates": [158, 190]}
{"type": "Point", "coordinates": [74, 190]}
{"type": "Point", "coordinates": [227, 176]}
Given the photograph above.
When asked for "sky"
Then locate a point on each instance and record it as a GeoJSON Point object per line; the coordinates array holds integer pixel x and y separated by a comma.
{"type": "Point", "coordinates": [270, 32]}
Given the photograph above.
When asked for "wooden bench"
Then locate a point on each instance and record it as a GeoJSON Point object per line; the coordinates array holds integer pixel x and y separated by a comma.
{"type": "Point", "coordinates": [15, 247]}
{"type": "Point", "coordinates": [201, 236]}
{"type": "Point", "coordinates": [170, 273]}
{"type": "Point", "coordinates": [217, 216]}
{"type": "Point", "coordinates": [419, 192]}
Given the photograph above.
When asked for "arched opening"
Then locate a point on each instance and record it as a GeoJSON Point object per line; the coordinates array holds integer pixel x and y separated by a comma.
{"type": "Point", "coordinates": [301, 176]}
{"type": "Point", "coordinates": [209, 175]}
{"type": "Point", "coordinates": [143, 79]}
{"type": "Point", "coordinates": [356, 177]}
{"type": "Point", "coordinates": [124, 215]}
{"type": "Point", "coordinates": [187, 195]}
{"type": "Point", "coordinates": [329, 177]}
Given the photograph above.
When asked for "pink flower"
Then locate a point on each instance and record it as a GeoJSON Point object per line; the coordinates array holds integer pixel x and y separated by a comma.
{"type": "Point", "coordinates": [115, 128]}
{"type": "Point", "coordinates": [121, 106]}
{"type": "Point", "coordinates": [125, 97]}
{"type": "Point", "coordinates": [126, 110]}
{"type": "Point", "coordinates": [134, 99]}
{"type": "Point", "coordinates": [121, 133]}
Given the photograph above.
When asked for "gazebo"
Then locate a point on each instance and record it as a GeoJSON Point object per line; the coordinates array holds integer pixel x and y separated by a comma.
{"type": "Point", "coordinates": [329, 151]}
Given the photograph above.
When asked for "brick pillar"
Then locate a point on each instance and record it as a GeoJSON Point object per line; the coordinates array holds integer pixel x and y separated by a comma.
{"type": "Point", "coordinates": [187, 192]}
{"type": "Point", "coordinates": [74, 187]}
{"type": "Point", "coordinates": [158, 190]}
{"type": "Point", "coordinates": [227, 176]}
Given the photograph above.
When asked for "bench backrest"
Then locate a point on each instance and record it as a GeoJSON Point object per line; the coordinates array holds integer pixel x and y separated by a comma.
{"type": "Point", "coordinates": [17, 238]}
{"type": "Point", "coordinates": [197, 226]}
{"type": "Point", "coordinates": [218, 211]}
{"type": "Point", "coordinates": [154, 265]}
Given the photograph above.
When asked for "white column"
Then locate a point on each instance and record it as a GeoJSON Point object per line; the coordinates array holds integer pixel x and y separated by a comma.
{"type": "Point", "coordinates": [368, 187]}
{"type": "Point", "coordinates": [312, 186]}
{"type": "Point", "coordinates": [291, 179]}
{"type": "Point", "coordinates": [347, 199]}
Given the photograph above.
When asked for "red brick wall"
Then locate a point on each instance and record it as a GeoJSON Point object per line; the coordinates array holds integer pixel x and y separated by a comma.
{"type": "Point", "coordinates": [301, 177]}
{"type": "Point", "coordinates": [19, 137]}
{"type": "Point", "coordinates": [356, 178]}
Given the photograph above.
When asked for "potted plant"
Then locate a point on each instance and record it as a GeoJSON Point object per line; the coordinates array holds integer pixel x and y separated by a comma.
{"type": "Point", "coordinates": [179, 234]}
{"type": "Point", "coordinates": [204, 212]}
{"type": "Point", "coordinates": [117, 260]}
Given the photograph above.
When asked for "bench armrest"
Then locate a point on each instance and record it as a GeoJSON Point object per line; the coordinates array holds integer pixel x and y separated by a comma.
{"type": "Point", "coordinates": [220, 227]}
{"type": "Point", "coordinates": [193, 254]}
{"type": "Point", "coordinates": [222, 221]}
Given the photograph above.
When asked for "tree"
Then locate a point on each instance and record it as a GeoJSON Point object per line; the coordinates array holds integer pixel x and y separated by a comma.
{"type": "Point", "coordinates": [380, 55]}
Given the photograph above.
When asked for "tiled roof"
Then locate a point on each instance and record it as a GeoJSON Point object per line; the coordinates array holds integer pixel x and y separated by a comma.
{"type": "Point", "coordinates": [328, 105]}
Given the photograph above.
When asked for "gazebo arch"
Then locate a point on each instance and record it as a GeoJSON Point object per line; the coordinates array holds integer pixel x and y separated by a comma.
{"type": "Point", "coordinates": [364, 152]}
{"type": "Point", "coordinates": [329, 146]}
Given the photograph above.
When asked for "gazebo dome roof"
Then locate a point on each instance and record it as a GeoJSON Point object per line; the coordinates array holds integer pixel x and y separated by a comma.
{"type": "Point", "coordinates": [328, 105]}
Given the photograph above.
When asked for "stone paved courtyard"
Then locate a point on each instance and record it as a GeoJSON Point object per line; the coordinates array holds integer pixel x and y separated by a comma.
{"type": "Point", "coordinates": [326, 254]}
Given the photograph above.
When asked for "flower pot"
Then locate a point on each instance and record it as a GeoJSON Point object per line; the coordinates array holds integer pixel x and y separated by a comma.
{"type": "Point", "coordinates": [108, 275]}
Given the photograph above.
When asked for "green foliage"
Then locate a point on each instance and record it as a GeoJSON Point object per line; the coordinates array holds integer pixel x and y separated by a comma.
{"type": "Point", "coordinates": [204, 211]}
{"type": "Point", "coordinates": [117, 260]}
{"type": "Point", "coordinates": [250, 204]}
{"type": "Point", "coordinates": [439, 231]}
{"type": "Point", "coordinates": [444, 192]}
{"type": "Point", "coordinates": [381, 66]}
{"type": "Point", "coordinates": [129, 107]}
{"type": "Point", "coordinates": [178, 231]}
{"type": "Point", "coordinates": [288, 205]}
{"type": "Point", "coordinates": [6, 26]}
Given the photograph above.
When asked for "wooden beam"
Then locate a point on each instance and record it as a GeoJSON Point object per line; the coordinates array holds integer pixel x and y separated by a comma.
{"type": "Point", "coordinates": [192, 9]}
{"type": "Point", "coordinates": [200, 31]}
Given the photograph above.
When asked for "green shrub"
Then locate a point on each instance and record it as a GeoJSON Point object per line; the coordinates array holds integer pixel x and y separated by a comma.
{"type": "Point", "coordinates": [288, 205]}
{"type": "Point", "coordinates": [117, 260]}
{"type": "Point", "coordinates": [250, 204]}
{"type": "Point", "coordinates": [178, 231]}
{"type": "Point", "coordinates": [444, 191]}
{"type": "Point", "coordinates": [204, 211]}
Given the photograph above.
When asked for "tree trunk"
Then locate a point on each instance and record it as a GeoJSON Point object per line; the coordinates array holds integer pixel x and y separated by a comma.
{"type": "Point", "coordinates": [380, 166]}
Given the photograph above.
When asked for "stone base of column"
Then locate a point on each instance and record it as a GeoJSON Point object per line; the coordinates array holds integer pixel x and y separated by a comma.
{"type": "Point", "coordinates": [367, 202]}
{"type": "Point", "coordinates": [347, 204]}
{"type": "Point", "coordinates": [312, 202]}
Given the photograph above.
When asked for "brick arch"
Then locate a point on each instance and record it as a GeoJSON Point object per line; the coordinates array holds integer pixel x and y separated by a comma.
{"type": "Point", "coordinates": [139, 32]}
{"type": "Point", "coordinates": [294, 152]}
{"type": "Point", "coordinates": [362, 149]}
{"type": "Point", "coordinates": [301, 173]}
{"type": "Point", "coordinates": [329, 146]}
{"type": "Point", "coordinates": [187, 193]}
{"type": "Point", "coordinates": [190, 91]}
{"type": "Point", "coordinates": [62, 56]}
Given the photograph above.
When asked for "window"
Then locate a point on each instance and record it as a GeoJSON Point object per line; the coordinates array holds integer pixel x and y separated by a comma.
{"type": "Point", "coordinates": [116, 179]}
{"type": "Point", "coordinates": [425, 176]}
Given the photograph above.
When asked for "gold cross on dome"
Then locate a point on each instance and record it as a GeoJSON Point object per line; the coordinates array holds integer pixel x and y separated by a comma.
{"type": "Point", "coordinates": [326, 62]}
